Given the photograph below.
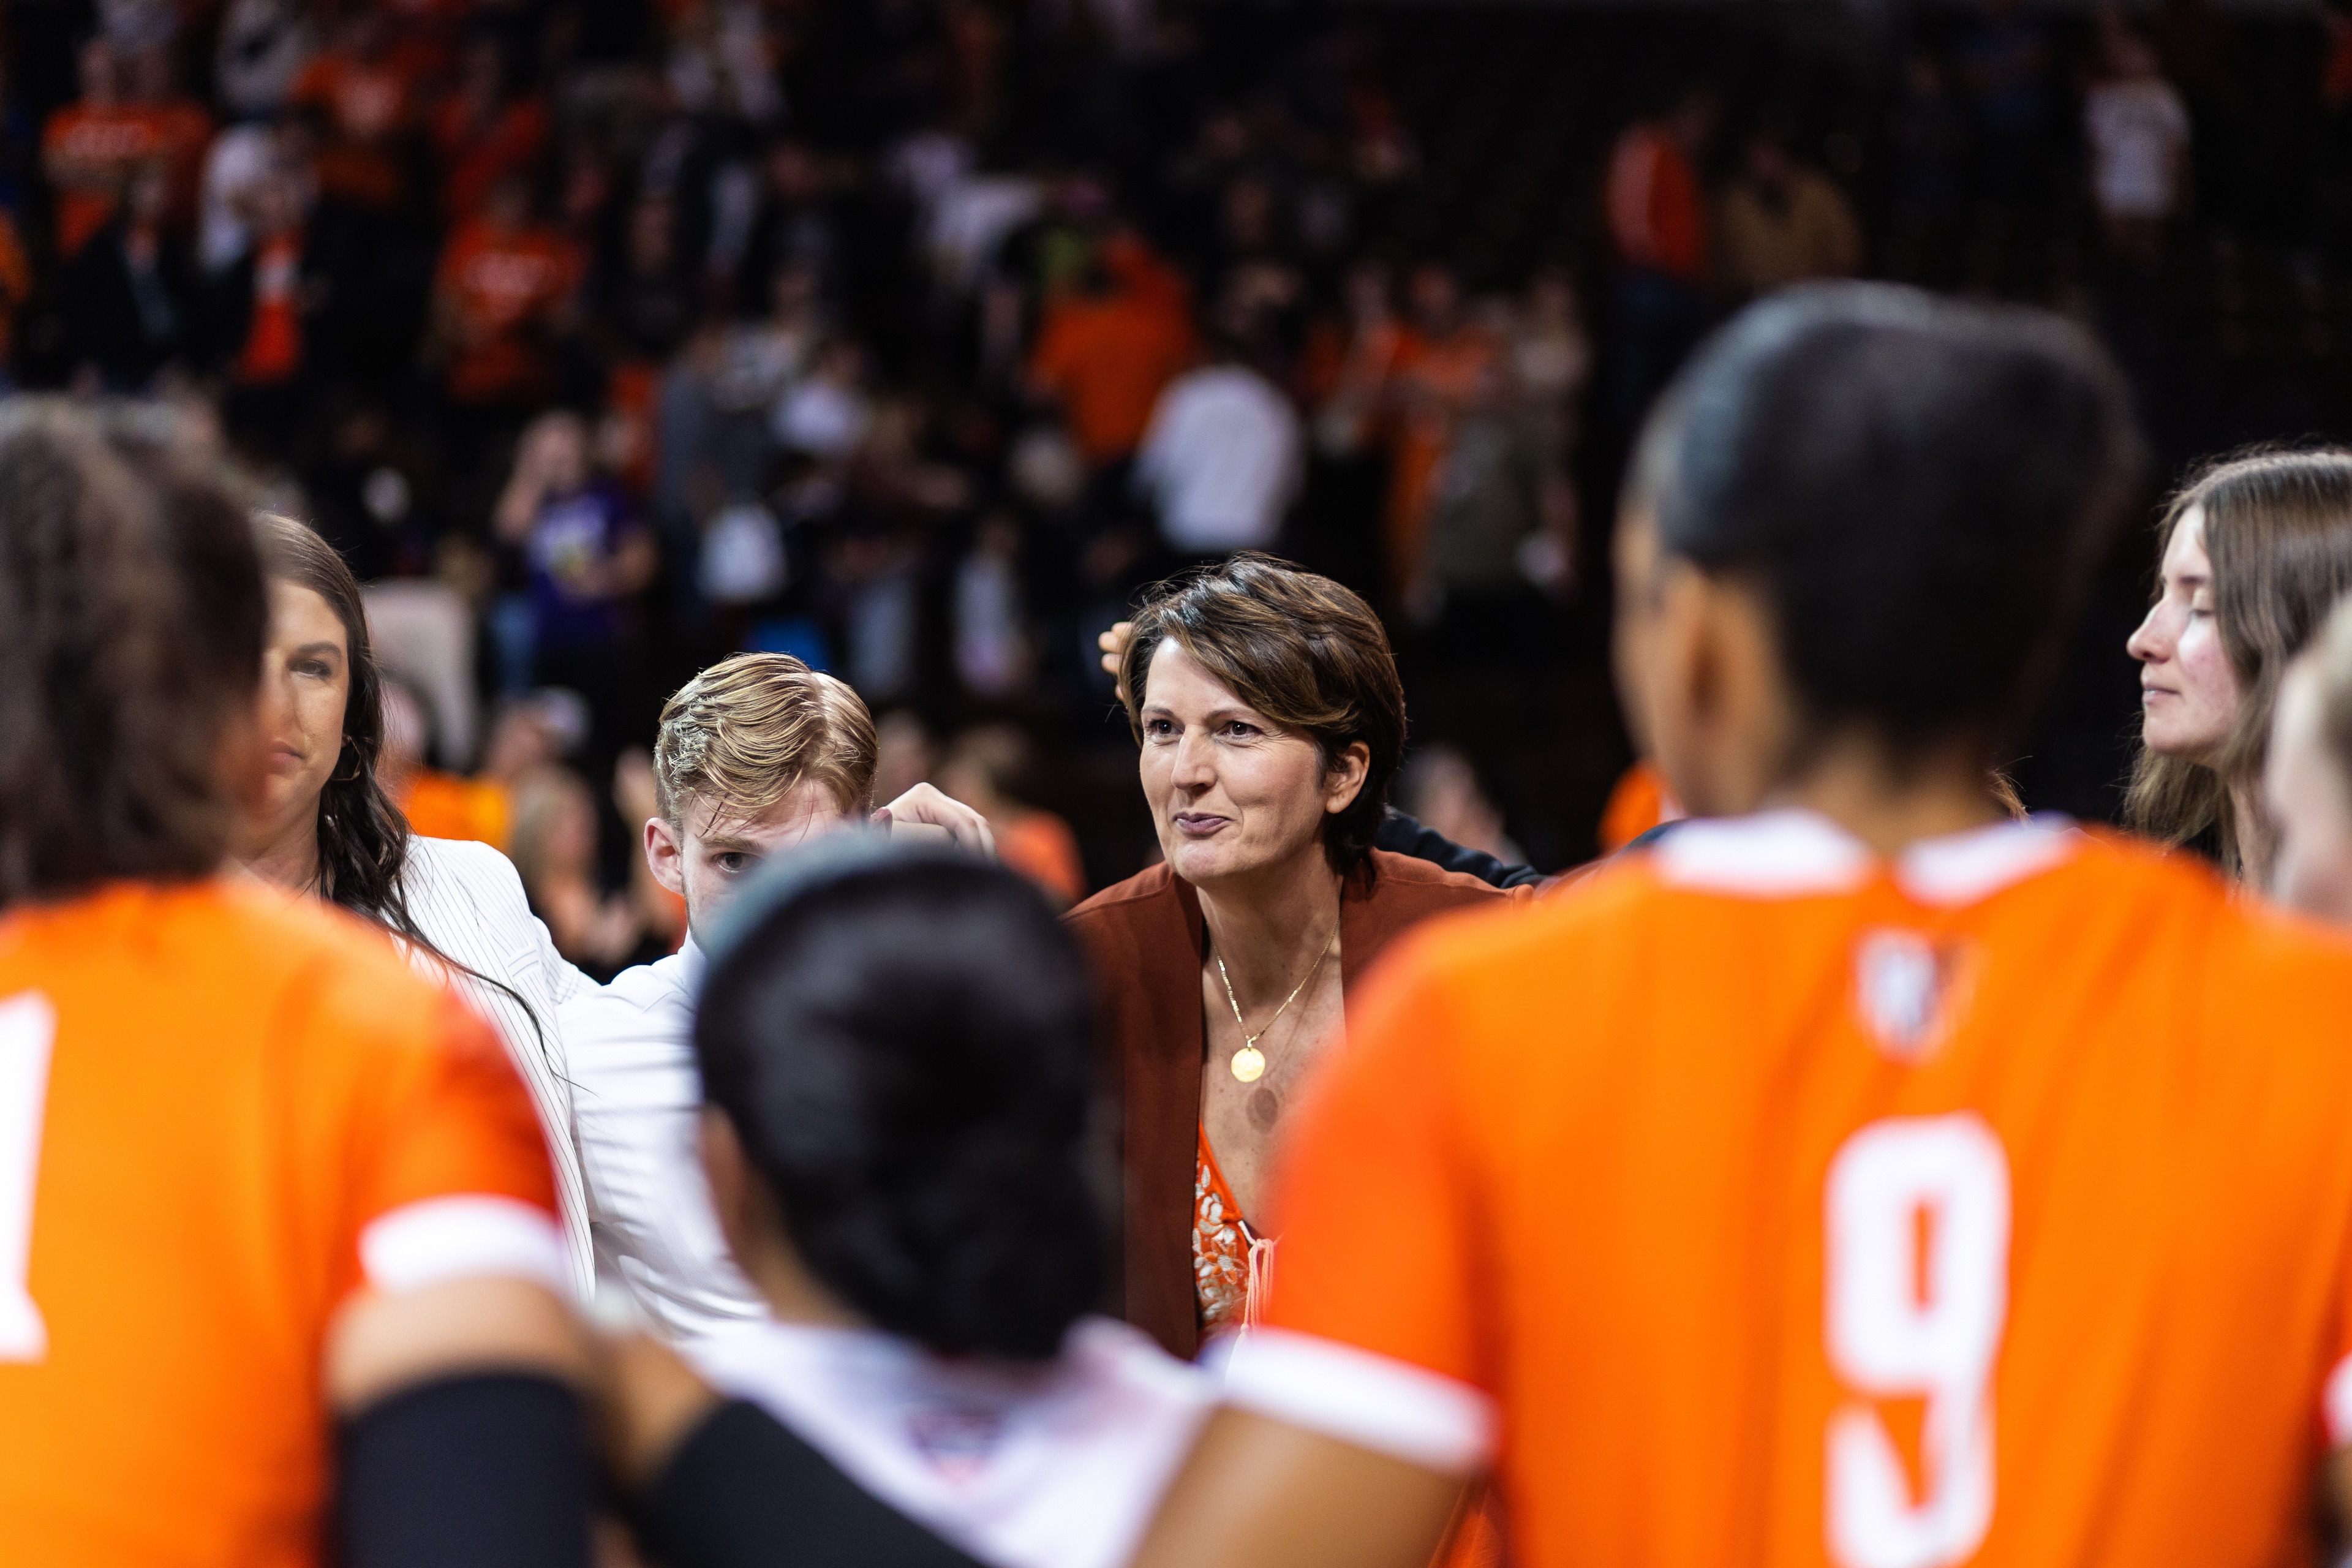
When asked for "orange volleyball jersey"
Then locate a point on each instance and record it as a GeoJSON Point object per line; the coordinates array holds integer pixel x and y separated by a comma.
{"type": "Point", "coordinates": [219, 1116]}
{"type": "Point", "coordinates": [1780, 1206]}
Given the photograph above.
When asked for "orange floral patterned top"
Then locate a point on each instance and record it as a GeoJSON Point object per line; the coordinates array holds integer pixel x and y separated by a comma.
{"type": "Point", "coordinates": [1231, 1262]}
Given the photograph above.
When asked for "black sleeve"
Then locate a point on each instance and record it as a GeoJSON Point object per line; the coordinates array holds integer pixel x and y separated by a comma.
{"type": "Point", "coordinates": [483, 1471]}
{"type": "Point", "coordinates": [744, 1492]}
{"type": "Point", "coordinates": [1400, 835]}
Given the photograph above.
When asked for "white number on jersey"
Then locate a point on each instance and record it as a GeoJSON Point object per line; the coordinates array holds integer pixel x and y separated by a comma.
{"type": "Point", "coordinates": [1916, 1243]}
{"type": "Point", "coordinates": [27, 1026]}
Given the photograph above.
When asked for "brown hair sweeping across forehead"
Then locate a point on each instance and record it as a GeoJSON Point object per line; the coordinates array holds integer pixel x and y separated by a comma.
{"type": "Point", "coordinates": [131, 620]}
{"type": "Point", "coordinates": [1302, 650]}
{"type": "Point", "coordinates": [750, 729]}
{"type": "Point", "coordinates": [2278, 531]}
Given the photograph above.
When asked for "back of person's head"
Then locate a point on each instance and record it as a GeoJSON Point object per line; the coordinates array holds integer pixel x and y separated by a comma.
{"type": "Point", "coordinates": [751, 729]}
{"type": "Point", "coordinates": [1915, 490]}
{"type": "Point", "coordinates": [1305, 651]}
{"type": "Point", "coordinates": [131, 628]}
{"type": "Point", "coordinates": [2278, 533]}
{"type": "Point", "coordinates": [902, 1041]}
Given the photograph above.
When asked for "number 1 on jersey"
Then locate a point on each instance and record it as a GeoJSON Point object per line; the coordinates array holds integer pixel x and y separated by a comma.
{"type": "Point", "coordinates": [28, 1026]}
{"type": "Point", "coordinates": [1917, 1252]}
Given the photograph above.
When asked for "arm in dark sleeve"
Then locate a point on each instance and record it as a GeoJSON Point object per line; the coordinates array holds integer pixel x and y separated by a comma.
{"type": "Point", "coordinates": [484, 1470]}
{"type": "Point", "coordinates": [744, 1492]}
{"type": "Point", "coordinates": [1400, 835]}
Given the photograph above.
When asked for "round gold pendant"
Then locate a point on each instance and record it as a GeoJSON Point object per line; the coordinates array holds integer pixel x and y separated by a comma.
{"type": "Point", "coordinates": [1248, 1064]}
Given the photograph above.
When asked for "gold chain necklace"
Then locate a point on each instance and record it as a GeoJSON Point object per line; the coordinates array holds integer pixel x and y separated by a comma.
{"type": "Point", "coordinates": [1248, 1064]}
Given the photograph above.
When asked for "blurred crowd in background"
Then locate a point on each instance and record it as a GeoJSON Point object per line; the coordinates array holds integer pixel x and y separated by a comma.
{"type": "Point", "coordinates": [914, 337]}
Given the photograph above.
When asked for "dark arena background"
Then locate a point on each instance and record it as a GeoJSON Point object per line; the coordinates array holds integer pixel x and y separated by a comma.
{"type": "Point", "coordinates": [842, 323]}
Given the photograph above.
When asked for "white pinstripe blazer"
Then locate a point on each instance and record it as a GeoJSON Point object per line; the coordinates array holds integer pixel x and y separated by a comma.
{"type": "Point", "coordinates": [467, 900]}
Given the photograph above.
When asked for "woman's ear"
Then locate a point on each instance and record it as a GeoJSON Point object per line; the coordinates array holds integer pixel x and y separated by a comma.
{"type": "Point", "coordinates": [1344, 780]}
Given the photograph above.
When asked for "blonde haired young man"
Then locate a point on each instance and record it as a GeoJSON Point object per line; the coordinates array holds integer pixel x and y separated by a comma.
{"type": "Point", "coordinates": [757, 753]}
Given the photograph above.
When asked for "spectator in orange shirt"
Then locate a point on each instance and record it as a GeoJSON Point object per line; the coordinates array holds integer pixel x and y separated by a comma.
{"type": "Point", "coordinates": [1657, 225]}
{"type": "Point", "coordinates": [90, 148]}
{"type": "Point", "coordinates": [502, 292]}
{"type": "Point", "coordinates": [436, 804]}
{"type": "Point", "coordinates": [1104, 352]}
{"type": "Point", "coordinates": [481, 134]}
{"type": "Point", "coordinates": [181, 129]}
{"type": "Point", "coordinates": [1441, 360]}
{"type": "Point", "coordinates": [365, 100]}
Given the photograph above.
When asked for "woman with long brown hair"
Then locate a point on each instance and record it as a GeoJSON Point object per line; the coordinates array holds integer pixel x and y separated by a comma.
{"type": "Point", "coordinates": [2254, 551]}
{"type": "Point", "coordinates": [324, 827]}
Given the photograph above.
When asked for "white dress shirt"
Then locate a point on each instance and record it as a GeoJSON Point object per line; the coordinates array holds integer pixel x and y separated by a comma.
{"type": "Point", "coordinates": [1055, 1466]}
{"type": "Point", "coordinates": [635, 1098]}
{"type": "Point", "coordinates": [467, 900]}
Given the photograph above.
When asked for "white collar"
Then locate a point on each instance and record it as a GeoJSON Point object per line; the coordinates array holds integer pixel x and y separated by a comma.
{"type": "Point", "coordinates": [692, 965]}
{"type": "Point", "coordinates": [1794, 853]}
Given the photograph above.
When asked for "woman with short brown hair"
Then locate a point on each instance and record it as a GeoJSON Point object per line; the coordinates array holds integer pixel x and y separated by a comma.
{"type": "Point", "coordinates": [1266, 705]}
{"type": "Point", "coordinates": [2254, 552]}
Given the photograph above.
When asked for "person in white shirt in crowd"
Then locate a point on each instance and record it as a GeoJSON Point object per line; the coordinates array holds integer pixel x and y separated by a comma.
{"type": "Point", "coordinates": [1222, 457]}
{"type": "Point", "coordinates": [755, 753]}
{"type": "Point", "coordinates": [905, 1146]}
{"type": "Point", "coordinates": [2138, 131]}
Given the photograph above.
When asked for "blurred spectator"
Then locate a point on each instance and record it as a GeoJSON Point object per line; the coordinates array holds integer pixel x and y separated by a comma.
{"type": "Point", "coordinates": [90, 148]}
{"type": "Point", "coordinates": [555, 850]}
{"type": "Point", "coordinates": [500, 297]}
{"type": "Point", "coordinates": [1105, 352]}
{"type": "Point", "coordinates": [182, 128]}
{"type": "Point", "coordinates": [1220, 458]}
{"type": "Point", "coordinates": [241, 161]}
{"type": "Point", "coordinates": [2137, 129]}
{"type": "Point", "coordinates": [128, 291]}
{"type": "Point", "coordinates": [481, 132]}
{"type": "Point", "coordinates": [794, 226]}
{"type": "Point", "coordinates": [646, 302]}
{"type": "Point", "coordinates": [258, 307]}
{"type": "Point", "coordinates": [587, 558]}
{"type": "Point", "coordinates": [984, 767]}
{"type": "Point", "coordinates": [263, 47]}
{"type": "Point", "coordinates": [1443, 361]}
{"type": "Point", "coordinates": [362, 98]}
{"type": "Point", "coordinates": [1657, 226]}
{"type": "Point", "coordinates": [1781, 221]}
{"type": "Point", "coordinates": [1500, 520]}
{"type": "Point", "coordinates": [993, 655]}
{"type": "Point", "coordinates": [1439, 788]}
{"type": "Point", "coordinates": [437, 805]}
{"type": "Point", "coordinates": [1552, 355]}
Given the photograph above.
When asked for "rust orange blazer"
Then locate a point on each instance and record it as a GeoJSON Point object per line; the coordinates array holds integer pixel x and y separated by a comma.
{"type": "Point", "coordinates": [1146, 940]}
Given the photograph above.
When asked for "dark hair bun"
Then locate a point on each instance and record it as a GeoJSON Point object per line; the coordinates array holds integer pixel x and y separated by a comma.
{"type": "Point", "coordinates": [905, 1052]}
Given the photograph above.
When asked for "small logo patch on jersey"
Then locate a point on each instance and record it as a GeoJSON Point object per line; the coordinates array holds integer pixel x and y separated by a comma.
{"type": "Point", "coordinates": [1908, 991]}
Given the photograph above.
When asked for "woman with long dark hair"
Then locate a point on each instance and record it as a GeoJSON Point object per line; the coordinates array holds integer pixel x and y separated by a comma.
{"type": "Point", "coordinates": [324, 827]}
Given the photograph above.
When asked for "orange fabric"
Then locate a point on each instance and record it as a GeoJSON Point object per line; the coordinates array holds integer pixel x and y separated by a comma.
{"type": "Point", "coordinates": [368, 103]}
{"type": "Point", "coordinates": [16, 283]}
{"type": "Point", "coordinates": [118, 138]}
{"type": "Point", "coordinates": [1041, 846]}
{"type": "Point", "coordinates": [1431, 380]}
{"type": "Point", "coordinates": [1656, 210]}
{"type": "Point", "coordinates": [1222, 1240]}
{"type": "Point", "coordinates": [443, 806]}
{"type": "Point", "coordinates": [1640, 802]}
{"type": "Point", "coordinates": [236, 1090]}
{"type": "Point", "coordinates": [273, 344]}
{"type": "Point", "coordinates": [1107, 359]}
{"type": "Point", "coordinates": [501, 289]}
{"type": "Point", "coordinates": [474, 158]}
{"type": "Point", "coordinates": [1608, 1126]}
